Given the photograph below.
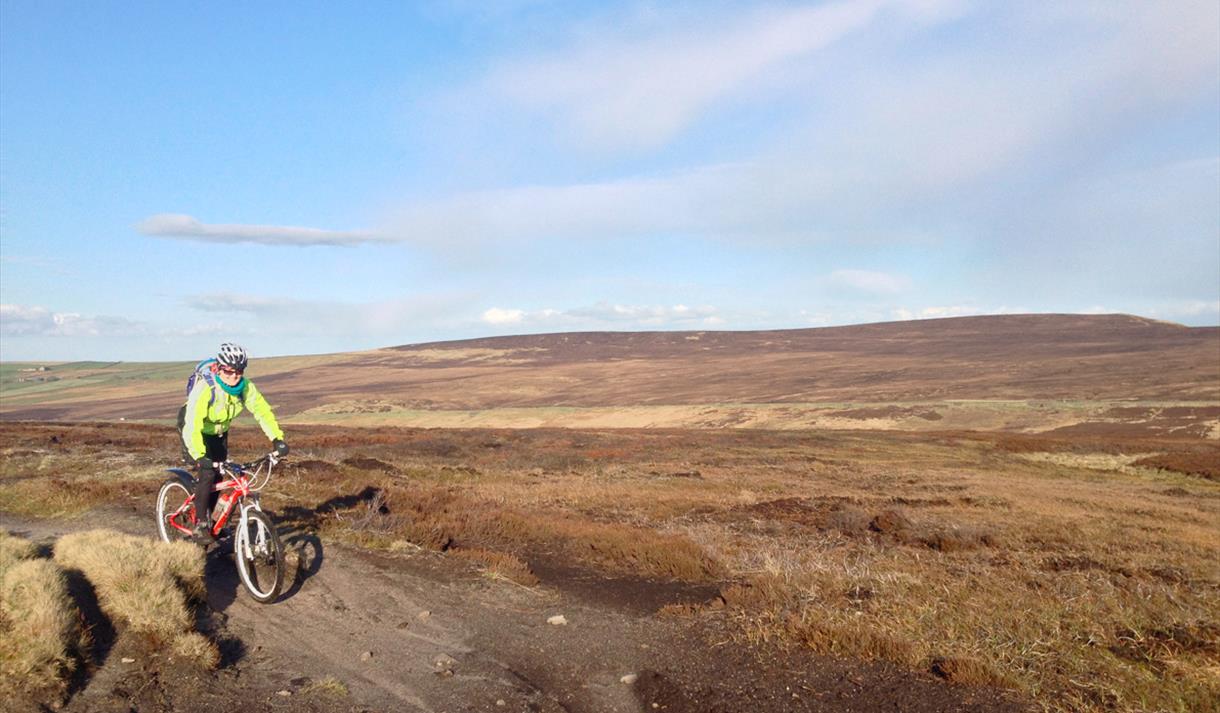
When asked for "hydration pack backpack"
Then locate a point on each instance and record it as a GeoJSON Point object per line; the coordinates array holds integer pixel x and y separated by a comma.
{"type": "Point", "coordinates": [203, 370]}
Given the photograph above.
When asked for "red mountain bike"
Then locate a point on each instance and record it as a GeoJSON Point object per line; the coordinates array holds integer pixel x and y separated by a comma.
{"type": "Point", "coordinates": [256, 545]}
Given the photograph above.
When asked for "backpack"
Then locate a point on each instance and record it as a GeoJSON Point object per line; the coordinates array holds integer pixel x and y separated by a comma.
{"type": "Point", "coordinates": [203, 370]}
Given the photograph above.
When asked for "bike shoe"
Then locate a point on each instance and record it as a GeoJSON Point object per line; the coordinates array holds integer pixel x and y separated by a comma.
{"type": "Point", "coordinates": [202, 534]}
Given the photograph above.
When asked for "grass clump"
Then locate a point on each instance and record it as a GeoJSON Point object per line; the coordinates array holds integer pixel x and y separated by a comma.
{"type": "Point", "coordinates": [13, 550]}
{"type": "Point", "coordinates": [41, 637]}
{"type": "Point", "coordinates": [500, 565]}
{"type": "Point", "coordinates": [329, 687]}
{"type": "Point", "coordinates": [147, 585]}
{"type": "Point", "coordinates": [969, 671]}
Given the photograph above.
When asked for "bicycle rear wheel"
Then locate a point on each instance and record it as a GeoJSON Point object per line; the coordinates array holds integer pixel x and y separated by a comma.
{"type": "Point", "coordinates": [170, 499]}
{"type": "Point", "coordinates": [259, 556]}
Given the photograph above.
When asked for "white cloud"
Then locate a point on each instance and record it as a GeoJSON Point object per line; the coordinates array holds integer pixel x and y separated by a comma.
{"type": "Point", "coordinates": [1199, 308]}
{"type": "Point", "coordinates": [185, 227]}
{"type": "Point", "coordinates": [1196, 311]}
{"type": "Point", "coordinates": [748, 202]}
{"type": "Point", "coordinates": [385, 319]}
{"type": "Point", "coordinates": [996, 153]}
{"type": "Point", "coordinates": [224, 303]}
{"type": "Point", "coordinates": [619, 92]}
{"type": "Point", "coordinates": [606, 315]}
{"type": "Point", "coordinates": [944, 311]}
{"type": "Point", "coordinates": [35, 321]}
{"type": "Point", "coordinates": [647, 315]}
{"type": "Point", "coordinates": [898, 142]}
{"type": "Point", "coordinates": [496, 316]}
{"type": "Point", "coordinates": [865, 281]}
{"type": "Point", "coordinates": [891, 146]}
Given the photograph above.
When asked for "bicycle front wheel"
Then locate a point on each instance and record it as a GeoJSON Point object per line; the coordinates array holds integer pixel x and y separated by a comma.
{"type": "Point", "coordinates": [259, 556]}
{"type": "Point", "coordinates": [173, 512]}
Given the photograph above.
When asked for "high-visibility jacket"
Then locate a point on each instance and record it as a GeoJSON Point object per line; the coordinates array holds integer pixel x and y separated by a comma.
{"type": "Point", "coordinates": [210, 409]}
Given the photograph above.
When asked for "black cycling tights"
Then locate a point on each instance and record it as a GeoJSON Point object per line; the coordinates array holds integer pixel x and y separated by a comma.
{"type": "Point", "coordinates": [217, 451]}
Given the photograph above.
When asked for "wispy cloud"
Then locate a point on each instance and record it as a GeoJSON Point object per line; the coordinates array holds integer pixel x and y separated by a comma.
{"type": "Point", "coordinates": [36, 321]}
{"type": "Point", "coordinates": [607, 316]}
{"type": "Point", "coordinates": [185, 227]}
{"type": "Point", "coordinates": [940, 140]}
{"type": "Point", "coordinates": [709, 201]}
{"type": "Point", "coordinates": [383, 319]}
{"type": "Point", "coordinates": [898, 142]}
{"type": "Point", "coordinates": [869, 282]}
{"type": "Point", "coordinates": [625, 92]}
{"type": "Point", "coordinates": [1186, 310]}
{"type": "Point", "coordinates": [1195, 308]}
{"type": "Point", "coordinates": [944, 311]}
{"type": "Point", "coordinates": [1022, 142]}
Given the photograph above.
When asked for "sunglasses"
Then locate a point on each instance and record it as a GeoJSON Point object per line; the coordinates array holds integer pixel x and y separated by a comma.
{"type": "Point", "coordinates": [230, 371]}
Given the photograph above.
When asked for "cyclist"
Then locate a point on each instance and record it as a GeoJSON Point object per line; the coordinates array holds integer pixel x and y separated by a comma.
{"type": "Point", "coordinates": [211, 405]}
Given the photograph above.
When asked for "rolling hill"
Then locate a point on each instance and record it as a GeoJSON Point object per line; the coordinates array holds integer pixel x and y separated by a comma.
{"type": "Point", "coordinates": [1020, 372]}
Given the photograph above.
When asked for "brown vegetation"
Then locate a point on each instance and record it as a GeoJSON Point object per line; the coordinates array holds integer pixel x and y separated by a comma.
{"type": "Point", "coordinates": [1205, 464]}
{"type": "Point", "coordinates": [41, 635]}
{"type": "Point", "coordinates": [442, 519]}
{"type": "Point", "coordinates": [1084, 580]}
{"type": "Point", "coordinates": [1057, 358]}
{"type": "Point", "coordinates": [49, 609]}
{"type": "Point", "coordinates": [147, 586]}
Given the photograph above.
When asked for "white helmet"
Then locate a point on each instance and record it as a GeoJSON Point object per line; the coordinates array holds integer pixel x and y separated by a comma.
{"type": "Point", "coordinates": [233, 356]}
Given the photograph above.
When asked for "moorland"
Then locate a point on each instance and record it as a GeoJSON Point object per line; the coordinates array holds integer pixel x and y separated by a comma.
{"type": "Point", "coordinates": [1002, 513]}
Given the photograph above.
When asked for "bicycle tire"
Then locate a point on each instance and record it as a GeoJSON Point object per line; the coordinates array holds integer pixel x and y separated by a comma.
{"type": "Point", "coordinates": [172, 495]}
{"type": "Point", "coordinates": [262, 571]}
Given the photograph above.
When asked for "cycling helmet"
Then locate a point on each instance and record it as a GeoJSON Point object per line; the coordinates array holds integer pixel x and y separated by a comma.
{"type": "Point", "coordinates": [232, 356]}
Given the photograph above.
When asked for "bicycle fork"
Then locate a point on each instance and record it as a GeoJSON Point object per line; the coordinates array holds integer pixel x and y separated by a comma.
{"type": "Point", "coordinates": [243, 521]}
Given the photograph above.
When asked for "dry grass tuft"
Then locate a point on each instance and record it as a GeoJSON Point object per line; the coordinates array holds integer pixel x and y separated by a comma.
{"type": "Point", "coordinates": [682, 610]}
{"type": "Point", "coordinates": [891, 522]}
{"type": "Point", "coordinates": [968, 671]}
{"type": "Point", "coordinates": [854, 639]}
{"type": "Point", "coordinates": [959, 539]}
{"type": "Point", "coordinates": [765, 592]}
{"type": "Point", "coordinates": [1161, 645]}
{"type": "Point", "coordinates": [774, 609]}
{"type": "Point", "coordinates": [499, 564]}
{"type": "Point", "coordinates": [149, 585]}
{"type": "Point", "coordinates": [195, 647]}
{"type": "Point", "coordinates": [41, 637]}
{"type": "Point", "coordinates": [13, 550]}
{"type": "Point", "coordinates": [849, 520]}
{"type": "Point", "coordinates": [329, 687]}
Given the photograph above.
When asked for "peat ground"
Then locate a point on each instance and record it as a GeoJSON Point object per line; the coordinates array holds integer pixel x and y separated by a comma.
{"type": "Point", "coordinates": [724, 570]}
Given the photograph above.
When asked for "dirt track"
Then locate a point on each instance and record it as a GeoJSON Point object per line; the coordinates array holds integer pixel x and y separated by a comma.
{"type": "Point", "coordinates": [445, 640]}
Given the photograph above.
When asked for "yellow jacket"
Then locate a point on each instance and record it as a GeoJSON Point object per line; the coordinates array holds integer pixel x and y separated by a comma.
{"type": "Point", "coordinates": [210, 409]}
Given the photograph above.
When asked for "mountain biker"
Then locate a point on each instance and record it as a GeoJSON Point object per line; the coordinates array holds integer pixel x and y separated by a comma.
{"type": "Point", "coordinates": [211, 405]}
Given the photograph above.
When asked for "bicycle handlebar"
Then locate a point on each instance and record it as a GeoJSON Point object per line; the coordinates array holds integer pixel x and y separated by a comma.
{"type": "Point", "coordinates": [271, 459]}
{"type": "Point", "coordinates": [254, 468]}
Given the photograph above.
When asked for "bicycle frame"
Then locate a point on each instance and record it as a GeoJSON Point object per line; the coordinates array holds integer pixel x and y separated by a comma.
{"type": "Point", "coordinates": [239, 485]}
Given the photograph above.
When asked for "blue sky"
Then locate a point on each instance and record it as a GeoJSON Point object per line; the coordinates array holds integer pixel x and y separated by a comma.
{"type": "Point", "coordinates": [319, 177]}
